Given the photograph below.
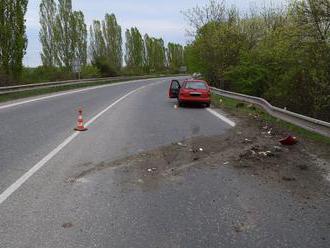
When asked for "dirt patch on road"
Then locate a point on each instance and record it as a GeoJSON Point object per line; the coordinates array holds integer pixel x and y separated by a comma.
{"type": "Point", "coordinates": [252, 148]}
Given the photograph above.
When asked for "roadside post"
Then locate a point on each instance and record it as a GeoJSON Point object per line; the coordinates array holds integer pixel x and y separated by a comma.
{"type": "Point", "coordinates": [77, 67]}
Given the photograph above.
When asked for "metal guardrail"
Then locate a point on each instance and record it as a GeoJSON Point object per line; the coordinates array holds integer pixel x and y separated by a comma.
{"type": "Point", "coordinates": [18, 88]}
{"type": "Point", "coordinates": [315, 125]}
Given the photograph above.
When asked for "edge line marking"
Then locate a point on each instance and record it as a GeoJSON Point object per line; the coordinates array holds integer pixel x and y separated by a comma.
{"type": "Point", "coordinates": [16, 185]}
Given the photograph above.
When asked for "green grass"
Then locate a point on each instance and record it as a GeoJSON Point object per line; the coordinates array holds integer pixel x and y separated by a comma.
{"type": "Point", "coordinates": [231, 105]}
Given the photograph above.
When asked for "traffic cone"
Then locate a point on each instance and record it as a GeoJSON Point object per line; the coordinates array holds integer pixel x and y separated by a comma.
{"type": "Point", "coordinates": [80, 124]}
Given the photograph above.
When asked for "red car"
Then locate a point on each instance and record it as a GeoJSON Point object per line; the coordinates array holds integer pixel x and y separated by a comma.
{"type": "Point", "coordinates": [191, 91]}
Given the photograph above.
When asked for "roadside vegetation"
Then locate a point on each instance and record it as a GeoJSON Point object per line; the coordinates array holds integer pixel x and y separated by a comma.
{"type": "Point", "coordinates": [69, 45]}
{"type": "Point", "coordinates": [237, 107]}
{"type": "Point", "coordinates": [279, 52]}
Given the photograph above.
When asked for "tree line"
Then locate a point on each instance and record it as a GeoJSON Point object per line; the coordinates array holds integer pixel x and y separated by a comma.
{"type": "Point", "coordinates": [13, 39]}
{"type": "Point", "coordinates": [281, 53]}
{"type": "Point", "coordinates": [67, 42]}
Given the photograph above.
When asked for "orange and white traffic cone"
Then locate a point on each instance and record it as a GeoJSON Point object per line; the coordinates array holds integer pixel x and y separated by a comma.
{"type": "Point", "coordinates": [80, 124]}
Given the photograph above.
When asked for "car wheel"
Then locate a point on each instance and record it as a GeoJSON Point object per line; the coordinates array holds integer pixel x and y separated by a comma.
{"type": "Point", "coordinates": [208, 105]}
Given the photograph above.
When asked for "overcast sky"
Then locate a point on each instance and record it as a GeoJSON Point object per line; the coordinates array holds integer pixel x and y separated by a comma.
{"type": "Point", "coordinates": [158, 18]}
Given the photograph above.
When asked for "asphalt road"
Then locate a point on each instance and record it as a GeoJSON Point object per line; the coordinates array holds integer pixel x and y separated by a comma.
{"type": "Point", "coordinates": [99, 210]}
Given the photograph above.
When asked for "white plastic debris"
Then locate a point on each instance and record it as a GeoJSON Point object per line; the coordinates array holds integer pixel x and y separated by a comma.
{"type": "Point", "coordinates": [266, 153]}
{"type": "Point", "coordinates": [201, 149]}
{"type": "Point", "coordinates": [226, 163]}
{"type": "Point", "coordinates": [278, 149]}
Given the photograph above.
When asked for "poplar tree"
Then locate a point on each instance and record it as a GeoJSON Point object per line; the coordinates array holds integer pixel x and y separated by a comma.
{"type": "Point", "coordinates": [63, 34]}
{"type": "Point", "coordinates": [79, 37]}
{"type": "Point", "coordinates": [13, 41]}
{"type": "Point", "coordinates": [113, 41]}
{"type": "Point", "coordinates": [175, 56]}
{"type": "Point", "coordinates": [134, 49]}
{"type": "Point", "coordinates": [97, 43]}
{"type": "Point", "coordinates": [48, 11]}
{"type": "Point", "coordinates": [155, 54]}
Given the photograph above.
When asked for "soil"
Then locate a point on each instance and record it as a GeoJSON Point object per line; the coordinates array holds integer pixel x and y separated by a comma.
{"type": "Point", "coordinates": [251, 147]}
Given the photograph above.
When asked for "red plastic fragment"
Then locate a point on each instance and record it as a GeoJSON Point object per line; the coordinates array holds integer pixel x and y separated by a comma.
{"type": "Point", "coordinates": [289, 141]}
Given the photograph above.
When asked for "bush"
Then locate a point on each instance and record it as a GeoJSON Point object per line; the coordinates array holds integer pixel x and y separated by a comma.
{"type": "Point", "coordinates": [90, 71]}
{"type": "Point", "coordinates": [247, 79]}
{"type": "Point", "coordinates": [5, 80]}
{"type": "Point", "coordinates": [45, 74]}
{"type": "Point", "coordinates": [105, 68]}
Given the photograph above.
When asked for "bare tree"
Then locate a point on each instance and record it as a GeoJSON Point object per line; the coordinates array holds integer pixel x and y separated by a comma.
{"type": "Point", "coordinates": [316, 15]}
{"type": "Point", "coordinates": [197, 17]}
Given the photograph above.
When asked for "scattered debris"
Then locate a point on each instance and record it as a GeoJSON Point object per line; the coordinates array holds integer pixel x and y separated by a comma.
{"type": "Point", "coordinates": [251, 106]}
{"type": "Point", "coordinates": [278, 149]}
{"type": "Point", "coordinates": [201, 149]}
{"type": "Point", "coordinates": [247, 154]}
{"type": "Point", "coordinates": [181, 144]}
{"type": "Point", "coordinates": [226, 163]}
{"type": "Point", "coordinates": [266, 153]}
{"type": "Point", "coordinates": [151, 169]}
{"type": "Point", "coordinates": [246, 141]}
{"type": "Point", "coordinates": [289, 141]}
{"type": "Point", "coordinates": [67, 225]}
{"type": "Point", "coordinates": [239, 228]}
{"type": "Point", "coordinates": [255, 148]}
{"type": "Point", "coordinates": [289, 179]}
{"type": "Point", "coordinates": [303, 167]}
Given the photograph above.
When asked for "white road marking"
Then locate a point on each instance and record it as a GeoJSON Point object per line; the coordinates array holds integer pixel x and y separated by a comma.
{"type": "Point", "coordinates": [221, 117]}
{"type": "Point", "coordinates": [16, 185]}
{"type": "Point", "coordinates": [69, 93]}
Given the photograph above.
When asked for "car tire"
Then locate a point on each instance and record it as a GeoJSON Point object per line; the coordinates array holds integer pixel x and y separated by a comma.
{"type": "Point", "coordinates": [208, 105]}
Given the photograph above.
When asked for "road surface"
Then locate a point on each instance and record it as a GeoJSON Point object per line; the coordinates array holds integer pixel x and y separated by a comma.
{"type": "Point", "coordinates": [53, 207]}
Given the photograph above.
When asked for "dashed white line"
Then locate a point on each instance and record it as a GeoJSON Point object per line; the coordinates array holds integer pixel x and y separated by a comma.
{"type": "Point", "coordinates": [16, 185]}
{"type": "Point", "coordinates": [221, 117]}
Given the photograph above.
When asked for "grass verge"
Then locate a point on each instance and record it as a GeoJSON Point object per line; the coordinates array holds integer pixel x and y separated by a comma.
{"type": "Point", "coordinates": [239, 107]}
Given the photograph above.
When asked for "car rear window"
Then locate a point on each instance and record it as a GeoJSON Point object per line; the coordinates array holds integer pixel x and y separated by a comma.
{"type": "Point", "coordinates": [196, 85]}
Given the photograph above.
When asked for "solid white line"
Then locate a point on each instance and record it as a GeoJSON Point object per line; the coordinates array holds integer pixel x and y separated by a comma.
{"type": "Point", "coordinates": [16, 185]}
{"type": "Point", "coordinates": [221, 117]}
{"type": "Point", "coordinates": [69, 93]}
